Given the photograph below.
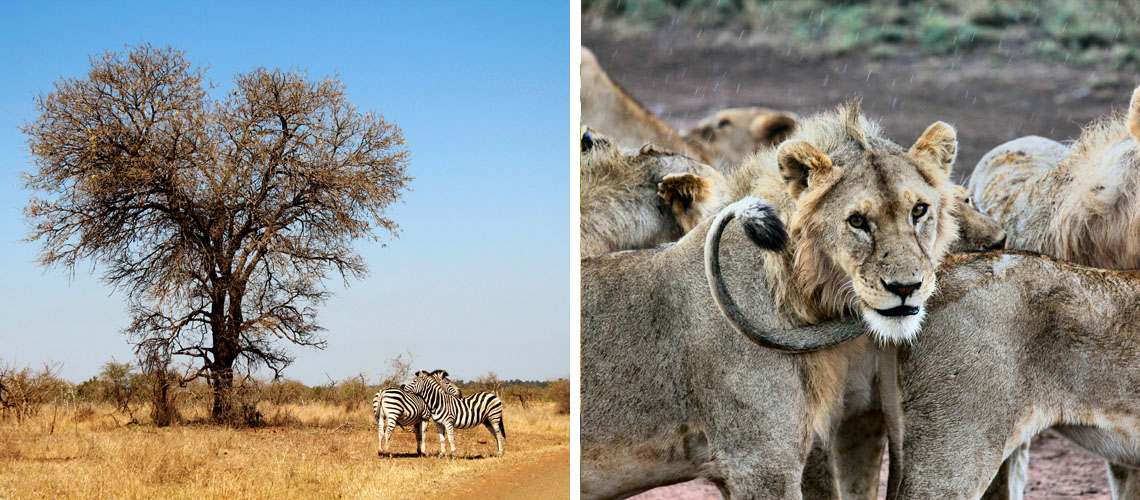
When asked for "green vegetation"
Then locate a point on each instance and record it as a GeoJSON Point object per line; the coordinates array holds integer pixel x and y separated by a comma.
{"type": "Point", "coordinates": [1063, 31]}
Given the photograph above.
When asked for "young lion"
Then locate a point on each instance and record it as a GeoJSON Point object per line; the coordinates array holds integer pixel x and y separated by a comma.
{"type": "Point", "coordinates": [722, 140]}
{"type": "Point", "coordinates": [1078, 203]}
{"type": "Point", "coordinates": [608, 108]}
{"type": "Point", "coordinates": [641, 199]}
{"type": "Point", "coordinates": [1016, 343]}
{"type": "Point", "coordinates": [729, 135]}
{"type": "Point", "coordinates": [670, 392]}
{"type": "Point", "coordinates": [620, 211]}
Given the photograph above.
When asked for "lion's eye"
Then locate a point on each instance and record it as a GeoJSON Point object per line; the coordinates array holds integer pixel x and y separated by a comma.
{"type": "Point", "coordinates": [857, 221]}
{"type": "Point", "coordinates": [723, 123]}
{"type": "Point", "coordinates": [918, 211]}
{"type": "Point", "coordinates": [969, 202]}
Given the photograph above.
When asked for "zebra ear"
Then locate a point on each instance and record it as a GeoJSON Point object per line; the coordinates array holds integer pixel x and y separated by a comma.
{"type": "Point", "coordinates": [422, 373]}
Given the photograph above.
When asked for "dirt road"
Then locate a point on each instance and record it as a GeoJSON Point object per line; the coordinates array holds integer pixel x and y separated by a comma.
{"type": "Point", "coordinates": [546, 476]}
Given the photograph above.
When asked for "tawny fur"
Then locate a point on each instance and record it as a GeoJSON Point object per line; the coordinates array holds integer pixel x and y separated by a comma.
{"type": "Point", "coordinates": [812, 283]}
{"type": "Point", "coordinates": [1015, 343]}
{"type": "Point", "coordinates": [1080, 203]}
{"type": "Point", "coordinates": [806, 281]}
{"type": "Point", "coordinates": [627, 202]}
{"type": "Point", "coordinates": [613, 112]}
{"type": "Point", "coordinates": [665, 381]}
{"type": "Point", "coordinates": [729, 135]}
{"type": "Point", "coordinates": [681, 192]}
{"type": "Point", "coordinates": [975, 230]}
{"type": "Point", "coordinates": [721, 140]}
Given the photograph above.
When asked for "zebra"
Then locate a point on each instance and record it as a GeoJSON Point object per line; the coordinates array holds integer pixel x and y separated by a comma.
{"type": "Point", "coordinates": [451, 412]}
{"type": "Point", "coordinates": [393, 406]}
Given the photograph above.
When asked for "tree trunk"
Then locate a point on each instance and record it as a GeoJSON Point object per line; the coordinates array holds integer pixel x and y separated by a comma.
{"type": "Point", "coordinates": [160, 401]}
{"type": "Point", "coordinates": [226, 405]}
{"type": "Point", "coordinates": [222, 380]}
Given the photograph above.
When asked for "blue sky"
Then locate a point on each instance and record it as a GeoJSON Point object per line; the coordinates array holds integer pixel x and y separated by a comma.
{"type": "Point", "coordinates": [479, 278]}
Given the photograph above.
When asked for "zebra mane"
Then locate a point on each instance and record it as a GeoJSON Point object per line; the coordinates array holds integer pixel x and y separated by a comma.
{"type": "Point", "coordinates": [432, 379]}
{"type": "Point", "coordinates": [439, 377]}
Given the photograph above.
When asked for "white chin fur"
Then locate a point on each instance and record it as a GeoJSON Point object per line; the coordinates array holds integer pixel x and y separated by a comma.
{"type": "Point", "coordinates": [893, 329]}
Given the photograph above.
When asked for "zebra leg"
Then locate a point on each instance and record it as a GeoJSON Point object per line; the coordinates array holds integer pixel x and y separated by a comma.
{"type": "Point", "coordinates": [498, 436]}
{"type": "Point", "coordinates": [442, 449]}
{"type": "Point", "coordinates": [380, 436]}
{"type": "Point", "coordinates": [420, 428]}
{"type": "Point", "coordinates": [450, 428]}
{"type": "Point", "coordinates": [388, 435]}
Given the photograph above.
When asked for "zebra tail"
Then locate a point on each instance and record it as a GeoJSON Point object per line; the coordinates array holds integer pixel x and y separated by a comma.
{"type": "Point", "coordinates": [502, 426]}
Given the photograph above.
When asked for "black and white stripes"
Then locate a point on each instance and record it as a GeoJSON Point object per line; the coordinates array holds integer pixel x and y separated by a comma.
{"type": "Point", "coordinates": [393, 406]}
{"type": "Point", "coordinates": [450, 411]}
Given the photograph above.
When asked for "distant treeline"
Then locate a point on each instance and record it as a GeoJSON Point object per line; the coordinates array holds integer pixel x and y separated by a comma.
{"type": "Point", "coordinates": [24, 390]}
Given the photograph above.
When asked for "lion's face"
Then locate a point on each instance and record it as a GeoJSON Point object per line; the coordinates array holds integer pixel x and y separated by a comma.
{"type": "Point", "coordinates": [976, 231]}
{"type": "Point", "coordinates": [881, 215]}
{"type": "Point", "coordinates": [730, 134]}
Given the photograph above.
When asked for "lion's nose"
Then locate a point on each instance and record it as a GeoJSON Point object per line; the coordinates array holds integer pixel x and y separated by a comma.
{"type": "Point", "coordinates": [903, 290]}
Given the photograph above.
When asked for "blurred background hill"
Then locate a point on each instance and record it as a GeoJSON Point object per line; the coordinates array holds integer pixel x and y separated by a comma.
{"type": "Point", "coordinates": [997, 70]}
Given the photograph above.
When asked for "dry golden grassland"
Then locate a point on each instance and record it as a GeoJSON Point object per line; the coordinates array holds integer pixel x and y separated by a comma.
{"type": "Point", "coordinates": [308, 451]}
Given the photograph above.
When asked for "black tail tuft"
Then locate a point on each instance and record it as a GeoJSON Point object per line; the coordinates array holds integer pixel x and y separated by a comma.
{"type": "Point", "coordinates": [502, 427]}
{"type": "Point", "coordinates": [763, 226]}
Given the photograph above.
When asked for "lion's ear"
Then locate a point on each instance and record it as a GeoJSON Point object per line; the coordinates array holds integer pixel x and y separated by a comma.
{"type": "Point", "coordinates": [772, 129]}
{"type": "Point", "coordinates": [799, 163]}
{"type": "Point", "coordinates": [590, 139]}
{"type": "Point", "coordinates": [653, 150]}
{"type": "Point", "coordinates": [685, 194]}
{"type": "Point", "coordinates": [1134, 115]}
{"type": "Point", "coordinates": [939, 143]}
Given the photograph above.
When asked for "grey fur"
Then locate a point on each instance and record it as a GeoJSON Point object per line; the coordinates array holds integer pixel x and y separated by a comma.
{"type": "Point", "coordinates": [707, 401]}
{"type": "Point", "coordinates": [1013, 343]}
{"type": "Point", "coordinates": [764, 229]}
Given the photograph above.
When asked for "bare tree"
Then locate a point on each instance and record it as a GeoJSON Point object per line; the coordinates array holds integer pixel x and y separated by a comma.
{"type": "Point", "coordinates": [490, 383]}
{"type": "Point", "coordinates": [220, 219]}
{"type": "Point", "coordinates": [23, 391]}
{"type": "Point", "coordinates": [399, 369]}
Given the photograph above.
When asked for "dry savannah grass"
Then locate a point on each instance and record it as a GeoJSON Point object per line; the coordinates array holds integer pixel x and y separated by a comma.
{"type": "Point", "coordinates": [317, 450]}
